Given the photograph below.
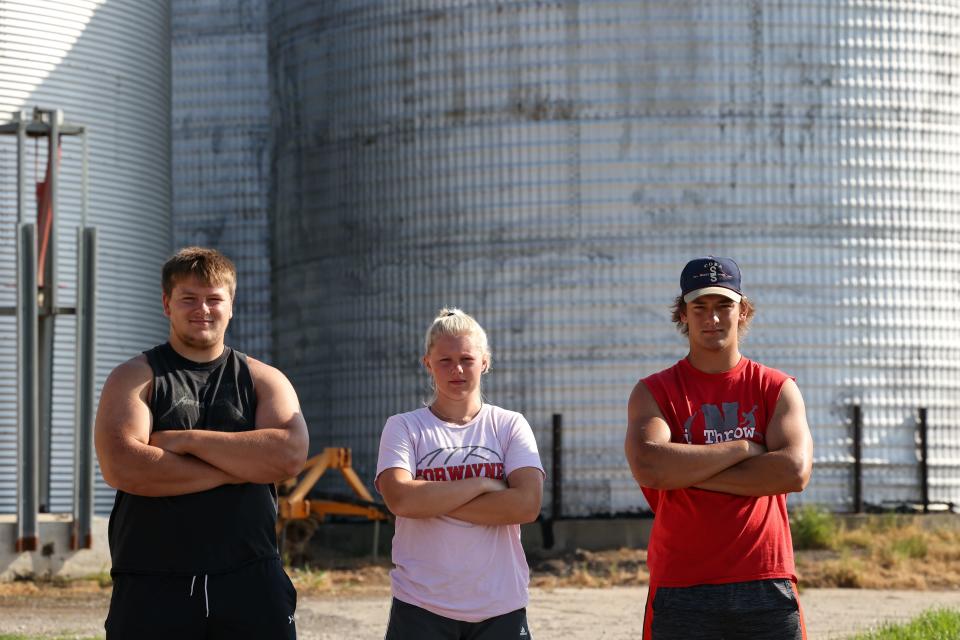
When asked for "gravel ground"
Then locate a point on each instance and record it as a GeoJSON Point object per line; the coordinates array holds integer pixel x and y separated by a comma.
{"type": "Point", "coordinates": [557, 614]}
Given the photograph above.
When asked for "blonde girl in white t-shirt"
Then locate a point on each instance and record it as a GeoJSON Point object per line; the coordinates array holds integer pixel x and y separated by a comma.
{"type": "Point", "coordinates": [461, 476]}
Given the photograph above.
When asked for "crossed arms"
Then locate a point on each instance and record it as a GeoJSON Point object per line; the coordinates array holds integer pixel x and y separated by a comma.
{"type": "Point", "coordinates": [739, 467]}
{"type": "Point", "coordinates": [170, 463]}
{"type": "Point", "coordinates": [478, 500]}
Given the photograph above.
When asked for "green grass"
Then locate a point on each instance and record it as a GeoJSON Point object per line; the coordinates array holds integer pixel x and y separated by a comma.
{"type": "Point", "coordinates": [914, 546]}
{"type": "Point", "coordinates": [932, 625]}
{"type": "Point", "coordinates": [813, 528]}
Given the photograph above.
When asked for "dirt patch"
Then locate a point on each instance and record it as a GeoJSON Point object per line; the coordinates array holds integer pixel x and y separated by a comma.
{"type": "Point", "coordinates": [573, 595]}
{"type": "Point", "coordinates": [346, 578]}
{"type": "Point", "coordinates": [937, 570]}
{"type": "Point", "coordinates": [906, 557]}
{"type": "Point", "coordinates": [592, 569]}
{"type": "Point", "coordinates": [55, 589]}
{"type": "Point", "coordinates": [847, 568]}
{"type": "Point", "coordinates": [597, 569]}
{"type": "Point", "coordinates": [614, 613]}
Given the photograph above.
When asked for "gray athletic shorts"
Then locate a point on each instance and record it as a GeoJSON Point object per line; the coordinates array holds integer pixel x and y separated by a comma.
{"type": "Point", "coordinates": [756, 610]}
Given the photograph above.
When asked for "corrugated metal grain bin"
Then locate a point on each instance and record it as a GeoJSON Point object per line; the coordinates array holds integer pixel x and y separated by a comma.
{"type": "Point", "coordinates": [106, 65]}
{"type": "Point", "coordinates": [550, 166]}
{"type": "Point", "coordinates": [221, 149]}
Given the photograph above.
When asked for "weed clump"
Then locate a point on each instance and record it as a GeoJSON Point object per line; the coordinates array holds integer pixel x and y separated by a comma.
{"type": "Point", "coordinates": [813, 528]}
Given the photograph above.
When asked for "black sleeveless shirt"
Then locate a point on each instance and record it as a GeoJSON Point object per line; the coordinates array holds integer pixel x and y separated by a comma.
{"type": "Point", "coordinates": [212, 531]}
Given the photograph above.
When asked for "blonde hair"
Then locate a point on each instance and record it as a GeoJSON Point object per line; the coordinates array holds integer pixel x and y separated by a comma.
{"type": "Point", "coordinates": [455, 322]}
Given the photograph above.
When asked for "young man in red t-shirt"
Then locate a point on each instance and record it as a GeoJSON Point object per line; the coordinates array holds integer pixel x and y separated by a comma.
{"type": "Point", "coordinates": [720, 553]}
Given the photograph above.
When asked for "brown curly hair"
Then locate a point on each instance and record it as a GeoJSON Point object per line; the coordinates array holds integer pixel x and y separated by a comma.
{"type": "Point", "coordinates": [679, 306]}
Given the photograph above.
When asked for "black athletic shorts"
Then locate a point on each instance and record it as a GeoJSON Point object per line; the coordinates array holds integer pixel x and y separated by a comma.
{"type": "Point", "coordinates": [252, 603]}
{"type": "Point", "coordinates": [409, 622]}
{"type": "Point", "coordinates": [755, 610]}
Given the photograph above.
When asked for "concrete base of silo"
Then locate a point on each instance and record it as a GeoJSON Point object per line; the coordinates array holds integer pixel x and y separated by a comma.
{"type": "Point", "coordinates": [588, 534]}
{"type": "Point", "coordinates": [53, 558]}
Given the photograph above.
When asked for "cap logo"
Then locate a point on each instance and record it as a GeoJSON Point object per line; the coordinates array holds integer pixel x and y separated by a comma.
{"type": "Point", "coordinates": [707, 272]}
{"type": "Point", "coordinates": [714, 273]}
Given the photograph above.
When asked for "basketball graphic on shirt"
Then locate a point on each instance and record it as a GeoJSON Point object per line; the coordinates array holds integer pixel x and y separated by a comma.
{"type": "Point", "coordinates": [458, 463]}
{"type": "Point", "coordinates": [459, 455]}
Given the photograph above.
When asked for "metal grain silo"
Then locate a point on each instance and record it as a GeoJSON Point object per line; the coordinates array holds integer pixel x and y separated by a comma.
{"type": "Point", "coordinates": [550, 166]}
{"type": "Point", "coordinates": [221, 149]}
{"type": "Point", "coordinates": [106, 65]}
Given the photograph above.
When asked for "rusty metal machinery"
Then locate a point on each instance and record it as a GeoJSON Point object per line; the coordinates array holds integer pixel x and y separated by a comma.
{"type": "Point", "coordinates": [294, 504]}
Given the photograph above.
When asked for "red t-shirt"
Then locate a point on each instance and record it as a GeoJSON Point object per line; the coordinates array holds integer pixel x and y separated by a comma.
{"type": "Point", "coordinates": [708, 537]}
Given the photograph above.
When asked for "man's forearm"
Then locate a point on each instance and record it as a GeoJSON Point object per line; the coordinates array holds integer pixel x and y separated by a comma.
{"type": "Point", "coordinates": [769, 474]}
{"type": "Point", "coordinates": [677, 466]}
{"type": "Point", "coordinates": [260, 456]}
{"type": "Point", "coordinates": [149, 471]}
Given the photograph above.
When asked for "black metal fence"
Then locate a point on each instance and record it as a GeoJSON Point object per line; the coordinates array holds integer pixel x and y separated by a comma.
{"type": "Point", "coordinates": [922, 503]}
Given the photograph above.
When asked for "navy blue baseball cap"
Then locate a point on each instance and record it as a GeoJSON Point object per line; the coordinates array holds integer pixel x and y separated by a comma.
{"type": "Point", "coordinates": [710, 275]}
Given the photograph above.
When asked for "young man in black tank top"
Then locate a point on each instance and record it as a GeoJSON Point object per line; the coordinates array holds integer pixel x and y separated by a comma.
{"type": "Point", "coordinates": [193, 435]}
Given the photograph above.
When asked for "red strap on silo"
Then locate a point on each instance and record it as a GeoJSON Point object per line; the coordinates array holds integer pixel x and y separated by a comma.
{"type": "Point", "coordinates": [45, 217]}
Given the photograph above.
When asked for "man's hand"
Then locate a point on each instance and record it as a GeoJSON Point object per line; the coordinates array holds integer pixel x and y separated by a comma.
{"type": "Point", "coordinates": [168, 441]}
{"type": "Point", "coordinates": [755, 448]}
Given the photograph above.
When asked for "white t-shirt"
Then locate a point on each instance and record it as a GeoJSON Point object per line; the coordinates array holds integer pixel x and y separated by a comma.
{"type": "Point", "coordinates": [447, 566]}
